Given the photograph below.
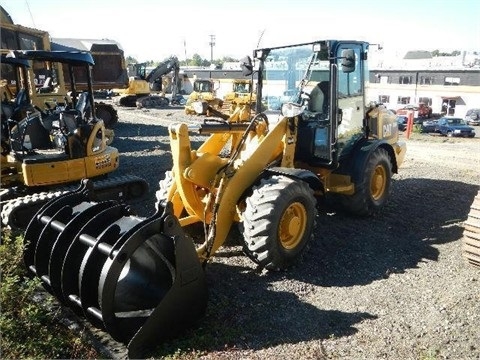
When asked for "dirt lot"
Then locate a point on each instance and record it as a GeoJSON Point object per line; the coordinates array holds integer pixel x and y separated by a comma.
{"type": "Point", "coordinates": [394, 286]}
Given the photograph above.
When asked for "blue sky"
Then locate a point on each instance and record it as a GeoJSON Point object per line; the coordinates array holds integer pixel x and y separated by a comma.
{"type": "Point", "coordinates": [156, 29]}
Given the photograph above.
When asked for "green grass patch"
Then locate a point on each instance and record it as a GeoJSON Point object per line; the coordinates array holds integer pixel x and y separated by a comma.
{"type": "Point", "coordinates": [29, 318]}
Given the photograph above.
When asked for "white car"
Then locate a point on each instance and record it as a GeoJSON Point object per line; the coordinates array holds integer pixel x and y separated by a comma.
{"type": "Point", "coordinates": [472, 117]}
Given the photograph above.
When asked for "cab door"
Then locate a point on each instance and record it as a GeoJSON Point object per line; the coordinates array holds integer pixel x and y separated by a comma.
{"type": "Point", "coordinates": [350, 93]}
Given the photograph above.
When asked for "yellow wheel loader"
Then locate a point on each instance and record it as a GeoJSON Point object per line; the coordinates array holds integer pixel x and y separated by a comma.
{"type": "Point", "coordinates": [142, 279]}
{"type": "Point", "coordinates": [46, 153]}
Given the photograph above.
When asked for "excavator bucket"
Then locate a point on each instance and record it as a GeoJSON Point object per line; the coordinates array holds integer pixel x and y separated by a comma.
{"type": "Point", "coordinates": [139, 279]}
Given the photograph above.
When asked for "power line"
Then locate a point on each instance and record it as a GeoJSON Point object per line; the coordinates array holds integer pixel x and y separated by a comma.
{"type": "Point", "coordinates": [31, 15]}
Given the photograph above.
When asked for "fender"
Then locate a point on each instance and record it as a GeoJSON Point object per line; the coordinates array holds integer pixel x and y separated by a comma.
{"type": "Point", "coordinates": [301, 174]}
{"type": "Point", "coordinates": [361, 154]}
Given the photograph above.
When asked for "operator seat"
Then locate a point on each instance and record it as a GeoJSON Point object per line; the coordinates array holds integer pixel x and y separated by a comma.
{"type": "Point", "coordinates": [319, 98]}
{"type": "Point", "coordinates": [47, 86]}
{"type": "Point", "coordinates": [71, 119]}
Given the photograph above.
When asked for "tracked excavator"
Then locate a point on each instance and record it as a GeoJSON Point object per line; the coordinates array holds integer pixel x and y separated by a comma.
{"type": "Point", "coordinates": [44, 154]}
{"type": "Point", "coordinates": [142, 279]}
{"type": "Point", "coordinates": [143, 88]}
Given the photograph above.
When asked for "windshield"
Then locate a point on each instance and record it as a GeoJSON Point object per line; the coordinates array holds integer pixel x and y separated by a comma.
{"type": "Point", "coordinates": [289, 71]}
{"type": "Point", "coordinates": [456, 121]}
{"type": "Point", "coordinates": [202, 86]}
{"type": "Point", "coordinates": [241, 87]}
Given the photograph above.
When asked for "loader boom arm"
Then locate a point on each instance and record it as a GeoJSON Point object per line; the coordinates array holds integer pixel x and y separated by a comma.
{"type": "Point", "coordinates": [200, 174]}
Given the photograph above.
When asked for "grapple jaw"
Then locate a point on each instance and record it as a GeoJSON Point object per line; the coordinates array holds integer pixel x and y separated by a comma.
{"type": "Point", "coordinates": [139, 279]}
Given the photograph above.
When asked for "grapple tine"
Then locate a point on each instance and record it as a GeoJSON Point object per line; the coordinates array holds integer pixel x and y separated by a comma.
{"type": "Point", "coordinates": [169, 294]}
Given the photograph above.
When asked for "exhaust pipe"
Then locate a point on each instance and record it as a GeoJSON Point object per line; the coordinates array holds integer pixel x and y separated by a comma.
{"type": "Point", "coordinates": [139, 279]}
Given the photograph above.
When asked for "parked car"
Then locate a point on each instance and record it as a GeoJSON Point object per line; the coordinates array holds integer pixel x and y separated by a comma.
{"type": "Point", "coordinates": [429, 126]}
{"type": "Point", "coordinates": [453, 126]}
{"type": "Point", "coordinates": [472, 117]}
{"type": "Point", "coordinates": [402, 122]}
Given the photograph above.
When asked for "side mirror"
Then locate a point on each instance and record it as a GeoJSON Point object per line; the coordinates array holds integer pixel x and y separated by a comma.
{"type": "Point", "coordinates": [247, 66]}
{"type": "Point", "coordinates": [348, 60]}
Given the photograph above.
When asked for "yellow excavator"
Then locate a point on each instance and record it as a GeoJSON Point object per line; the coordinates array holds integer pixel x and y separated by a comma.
{"type": "Point", "coordinates": [144, 87]}
{"type": "Point", "coordinates": [142, 280]}
{"type": "Point", "coordinates": [45, 153]}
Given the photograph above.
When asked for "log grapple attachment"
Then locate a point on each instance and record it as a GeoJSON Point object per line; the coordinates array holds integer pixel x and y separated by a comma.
{"type": "Point", "coordinates": [139, 279]}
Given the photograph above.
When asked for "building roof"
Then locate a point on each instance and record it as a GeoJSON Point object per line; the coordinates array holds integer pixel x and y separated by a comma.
{"type": "Point", "coordinates": [418, 54]}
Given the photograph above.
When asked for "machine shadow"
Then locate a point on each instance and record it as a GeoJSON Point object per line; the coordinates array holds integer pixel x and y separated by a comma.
{"type": "Point", "coordinates": [348, 251]}
{"type": "Point", "coordinates": [237, 318]}
{"type": "Point", "coordinates": [125, 130]}
{"type": "Point", "coordinates": [421, 214]}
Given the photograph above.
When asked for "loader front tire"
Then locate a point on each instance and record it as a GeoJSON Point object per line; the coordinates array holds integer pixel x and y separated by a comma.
{"type": "Point", "coordinates": [278, 222]}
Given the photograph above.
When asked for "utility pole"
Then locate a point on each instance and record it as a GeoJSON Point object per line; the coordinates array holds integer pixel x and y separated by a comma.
{"type": "Point", "coordinates": [212, 44]}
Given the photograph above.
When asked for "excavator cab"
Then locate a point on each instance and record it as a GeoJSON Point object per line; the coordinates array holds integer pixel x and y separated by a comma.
{"type": "Point", "coordinates": [15, 102]}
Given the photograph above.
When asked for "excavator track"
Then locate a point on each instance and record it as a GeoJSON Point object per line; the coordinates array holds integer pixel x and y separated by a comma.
{"type": "Point", "coordinates": [471, 234]}
{"type": "Point", "coordinates": [16, 213]}
{"type": "Point", "coordinates": [128, 100]}
{"type": "Point", "coordinates": [152, 101]}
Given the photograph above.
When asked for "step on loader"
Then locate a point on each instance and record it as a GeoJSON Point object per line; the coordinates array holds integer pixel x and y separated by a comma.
{"type": "Point", "coordinates": [45, 153]}
{"type": "Point", "coordinates": [142, 279]}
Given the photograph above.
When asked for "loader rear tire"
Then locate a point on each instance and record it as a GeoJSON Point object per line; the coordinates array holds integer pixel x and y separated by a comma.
{"type": "Point", "coordinates": [278, 222]}
{"type": "Point", "coordinates": [372, 188]}
{"type": "Point", "coordinates": [471, 234]}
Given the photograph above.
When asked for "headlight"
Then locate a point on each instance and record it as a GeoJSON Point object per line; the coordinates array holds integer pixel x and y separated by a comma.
{"type": "Point", "coordinates": [291, 109]}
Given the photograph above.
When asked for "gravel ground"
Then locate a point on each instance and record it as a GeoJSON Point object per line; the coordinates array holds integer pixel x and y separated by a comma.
{"type": "Point", "coordinates": [394, 286]}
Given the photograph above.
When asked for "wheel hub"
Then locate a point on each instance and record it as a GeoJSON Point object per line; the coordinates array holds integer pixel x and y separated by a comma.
{"type": "Point", "coordinates": [378, 183]}
{"type": "Point", "coordinates": [292, 225]}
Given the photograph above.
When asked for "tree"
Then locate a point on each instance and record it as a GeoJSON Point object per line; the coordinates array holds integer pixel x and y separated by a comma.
{"type": "Point", "coordinates": [196, 60]}
{"type": "Point", "coordinates": [131, 60]}
{"type": "Point", "coordinates": [438, 53]}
